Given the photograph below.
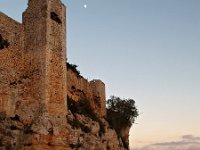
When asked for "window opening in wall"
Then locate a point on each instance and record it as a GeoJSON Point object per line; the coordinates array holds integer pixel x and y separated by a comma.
{"type": "Point", "coordinates": [3, 43]}
{"type": "Point", "coordinates": [55, 17]}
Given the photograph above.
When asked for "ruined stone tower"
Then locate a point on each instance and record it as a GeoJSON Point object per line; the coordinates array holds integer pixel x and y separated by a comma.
{"type": "Point", "coordinates": [33, 70]}
{"type": "Point", "coordinates": [45, 53]}
{"type": "Point", "coordinates": [35, 83]}
{"type": "Point", "coordinates": [98, 97]}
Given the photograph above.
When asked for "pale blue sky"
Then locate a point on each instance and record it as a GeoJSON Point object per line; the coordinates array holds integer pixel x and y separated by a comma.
{"type": "Point", "coordinates": [147, 50]}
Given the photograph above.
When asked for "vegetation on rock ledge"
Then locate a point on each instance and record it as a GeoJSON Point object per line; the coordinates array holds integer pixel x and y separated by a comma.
{"type": "Point", "coordinates": [83, 107]}
{"type": "Point", "coordinates": [73, 67]}
{"type": "Point", "coordinates": [121, 113]}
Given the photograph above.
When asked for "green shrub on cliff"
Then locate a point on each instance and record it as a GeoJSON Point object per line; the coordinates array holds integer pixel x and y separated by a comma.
{"type": "Point", "coordinates": [73, 67]}
{"type": "Point", "coordinates": [121, 113]}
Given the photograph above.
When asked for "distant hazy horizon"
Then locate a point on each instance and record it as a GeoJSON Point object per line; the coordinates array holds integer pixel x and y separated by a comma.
{"type": "Point", "coordinates": [147, 50]}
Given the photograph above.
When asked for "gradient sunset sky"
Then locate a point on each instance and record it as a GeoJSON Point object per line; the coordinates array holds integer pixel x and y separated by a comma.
{"type": "Point", "coordinates": [147, 50]}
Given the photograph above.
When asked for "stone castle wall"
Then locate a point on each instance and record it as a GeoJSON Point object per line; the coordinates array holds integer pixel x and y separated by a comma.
{"type": "Point", "coordinates": [33, 72]}
{"type": "Point", "coordinates": [98, 96]}
{"type": "Point", "coordinates": [45, 50]}
{"type": "Point", "coordinates": [35, 83]}
{"type": "Point", "coordinates": [11, 64]}
{"type": "Point", "coordinates": [12, 31]}
{"type": "Point", "coordinates": [80, 88]}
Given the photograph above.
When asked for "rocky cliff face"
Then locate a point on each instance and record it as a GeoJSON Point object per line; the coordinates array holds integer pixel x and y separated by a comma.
{"type": "Point", "coordinates": [31, 127]}
{"type": "Point", "coordinates": [35, 84]}
{"type": "Point", "coordinates": [74, 131]}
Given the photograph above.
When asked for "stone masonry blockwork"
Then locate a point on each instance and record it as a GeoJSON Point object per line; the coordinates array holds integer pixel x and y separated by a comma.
{"type": "Point", "coordinates": [35, 83]}
{"type": "Point", "coordinates": [33, 71]}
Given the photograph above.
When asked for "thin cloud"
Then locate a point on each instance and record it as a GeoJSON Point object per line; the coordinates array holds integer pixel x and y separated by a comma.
{"type": "Point", "coordinates": [187, 142]}
{"type": "Point", "coordinates": [175, 143]}
{"type": "Point", "coordinates": [191, 137]}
